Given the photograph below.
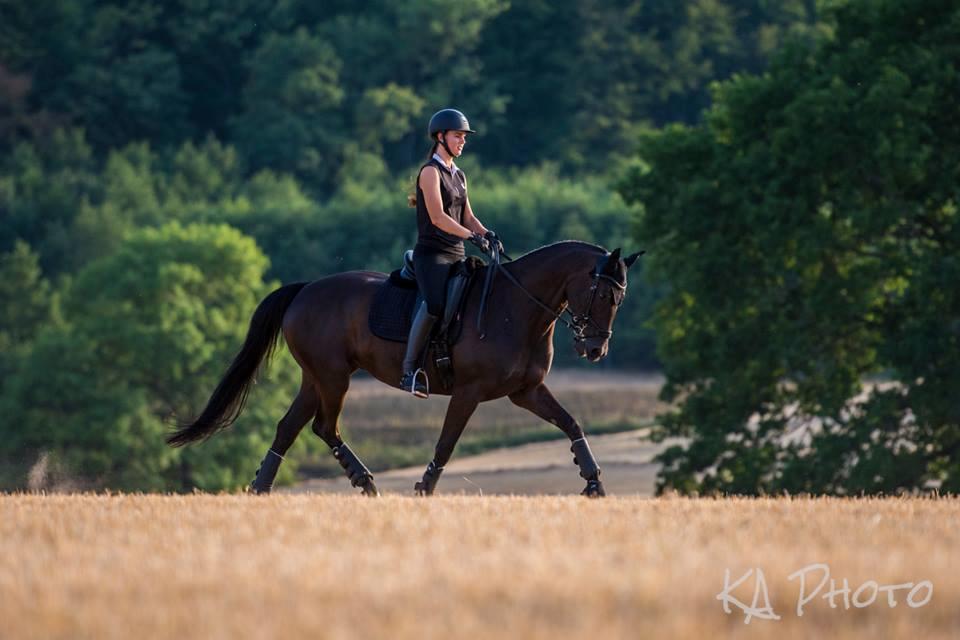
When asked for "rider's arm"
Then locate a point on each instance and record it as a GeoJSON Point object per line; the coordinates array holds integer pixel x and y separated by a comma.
{"type": "Point", "coordinates": [469, 220]}
{"type": "Point", "coordinates": [430, 185]}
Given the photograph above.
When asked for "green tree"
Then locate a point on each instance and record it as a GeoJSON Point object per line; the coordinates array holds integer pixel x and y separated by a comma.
{"type": "Point", "coordinates": [429, 48]}
{"type": "Point", "coordinates": [807, 232]}
{"type": "Point", "coordinates": [26, 305]}
{"type": "Point", "coordinates": [583, 80]}
{"type": "Point", "coordinates": [390, 112]}
{"type": "Point", "coordinates": [148, 332]}
{"type": "Point", "coordinates": [108, 68]}
{"type": "Point", "coordinates": [213, 41]}
{"type": "Point", "coordinates": [42, 186]}
{"type": "Point", "coordinates": [293, 120]}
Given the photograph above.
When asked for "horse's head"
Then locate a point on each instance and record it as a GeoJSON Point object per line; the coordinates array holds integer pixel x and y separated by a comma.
{"type": "Point", "coordinates": [594, 298]}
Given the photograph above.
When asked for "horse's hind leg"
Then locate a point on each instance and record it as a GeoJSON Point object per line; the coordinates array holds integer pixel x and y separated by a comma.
{"type": "Point", "coordinates": [332, 391]}
{"type": "Point", "coordinates": [303, 408]}
{"type": "Point", "coordinates": [539, 401]}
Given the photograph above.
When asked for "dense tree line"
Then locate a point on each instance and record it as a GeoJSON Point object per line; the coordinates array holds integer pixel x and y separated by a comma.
{"type": "Point", "coordinates": [299, 86]}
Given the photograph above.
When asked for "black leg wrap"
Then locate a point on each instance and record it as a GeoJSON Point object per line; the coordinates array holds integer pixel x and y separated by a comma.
{"type": "Point", "coordinates": [263, 482]}
{"type": "Point", "coordinates": [583, 457]}
{"type": "Point", "coordinates": [426, 486]}
{"type": "Point", "coordinates": [357, 472]}
{"type": "Point", "coordinates": [589, 469]}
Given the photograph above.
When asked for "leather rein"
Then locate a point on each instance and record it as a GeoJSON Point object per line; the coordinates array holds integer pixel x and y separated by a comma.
{"type": "Point", "coordinates": [578, 323]}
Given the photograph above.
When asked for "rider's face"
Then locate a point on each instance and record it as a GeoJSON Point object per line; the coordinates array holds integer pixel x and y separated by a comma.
{"type": "Point", "coordinates": [456, 141]}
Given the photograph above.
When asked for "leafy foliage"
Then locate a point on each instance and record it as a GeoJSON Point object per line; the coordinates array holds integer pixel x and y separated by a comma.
{"type": "Point", "coordinates": [808, 234]}
{"type": "Point", "coordinates": [145, 334]}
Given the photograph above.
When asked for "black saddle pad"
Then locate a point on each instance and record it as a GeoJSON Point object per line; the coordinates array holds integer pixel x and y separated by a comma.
{"type": "Point", "coordinates": [391, 312]}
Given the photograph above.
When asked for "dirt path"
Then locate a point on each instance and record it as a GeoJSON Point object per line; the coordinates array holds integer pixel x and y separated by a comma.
{"type": "Point", "coordinates": [531, 469]}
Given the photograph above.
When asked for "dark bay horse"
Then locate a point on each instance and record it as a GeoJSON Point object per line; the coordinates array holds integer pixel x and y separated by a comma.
{"type": "Point", "coordinates": [324, 323]}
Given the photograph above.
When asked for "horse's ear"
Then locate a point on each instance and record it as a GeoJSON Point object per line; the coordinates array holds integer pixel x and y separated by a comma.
{"type": "Point", "coordinates": [629, 260]}
{"type": "Point", "coordinates": [614, 257]}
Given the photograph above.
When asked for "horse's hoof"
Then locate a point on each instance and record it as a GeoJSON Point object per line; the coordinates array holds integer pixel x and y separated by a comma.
{"type": "Point", "coordinates": [370, 489]}
{"type": "Point", "coordinates": [258, 491]}
{"type": "Point", "coordinates": [421, 489]}
{"type": "Point", "coordinates": [429, 480]}
{"type": "Point", "coordinates": [594, 489]}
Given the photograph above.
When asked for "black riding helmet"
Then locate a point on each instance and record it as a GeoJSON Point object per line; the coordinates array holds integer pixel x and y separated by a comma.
{"type": "Point", "coordinates": [447, 120]}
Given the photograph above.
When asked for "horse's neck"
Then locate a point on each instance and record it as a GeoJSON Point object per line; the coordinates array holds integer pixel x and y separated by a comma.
{"type": "Point", "coordinates": [545, 275]}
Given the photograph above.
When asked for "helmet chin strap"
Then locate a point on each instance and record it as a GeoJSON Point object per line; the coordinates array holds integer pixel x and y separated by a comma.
{"type": "Point", "coordinates": [443, 141]}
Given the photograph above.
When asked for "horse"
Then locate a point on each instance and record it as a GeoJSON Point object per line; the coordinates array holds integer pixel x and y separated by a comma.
{"type": "Point", "coordinates": [324, 324]}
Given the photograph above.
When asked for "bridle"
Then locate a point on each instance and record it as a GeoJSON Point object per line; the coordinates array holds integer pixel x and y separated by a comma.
{"type": "Point", "coordinates": [578, 323]}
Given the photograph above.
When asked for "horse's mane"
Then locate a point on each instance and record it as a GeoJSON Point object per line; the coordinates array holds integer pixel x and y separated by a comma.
{"type": "Point", "coordinates": [549, 247]}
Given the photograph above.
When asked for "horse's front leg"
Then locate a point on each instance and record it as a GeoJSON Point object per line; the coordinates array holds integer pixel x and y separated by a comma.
{"type": "Point", "coordinates": [540, 401]}
{"type": "Point", "coordinates": [462, 405]}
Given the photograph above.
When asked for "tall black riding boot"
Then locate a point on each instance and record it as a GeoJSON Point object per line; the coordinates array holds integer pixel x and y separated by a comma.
{"type": "Point", "coordinates": [414, 379]}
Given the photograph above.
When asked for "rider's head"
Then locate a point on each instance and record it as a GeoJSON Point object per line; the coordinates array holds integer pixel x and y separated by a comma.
{"type": "Point", "coordinates": [448, 128]}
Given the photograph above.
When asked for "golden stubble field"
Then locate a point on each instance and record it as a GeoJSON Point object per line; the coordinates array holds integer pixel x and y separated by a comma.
{"type": "Point", "coordinates": [320, 566]}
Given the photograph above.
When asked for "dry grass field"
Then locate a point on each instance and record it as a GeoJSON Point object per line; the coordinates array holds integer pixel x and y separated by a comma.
{"type": "Point", "coordinates": [323, 566]}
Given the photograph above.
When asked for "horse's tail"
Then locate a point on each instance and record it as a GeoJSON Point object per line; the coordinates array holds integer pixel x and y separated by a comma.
{"type": "Point", "coordinates": [229, 397]}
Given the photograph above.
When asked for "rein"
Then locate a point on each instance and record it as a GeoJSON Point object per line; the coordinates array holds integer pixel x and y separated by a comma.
{"type": "Point", "coordinates": [578, 324]}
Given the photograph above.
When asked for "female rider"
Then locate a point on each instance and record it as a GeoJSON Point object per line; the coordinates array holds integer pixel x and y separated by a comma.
{"type": "Point", "coordinates": [444, 221]}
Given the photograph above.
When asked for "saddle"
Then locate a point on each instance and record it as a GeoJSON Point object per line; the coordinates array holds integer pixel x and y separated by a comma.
{"type": "Point", "coordinates": [396, 302]}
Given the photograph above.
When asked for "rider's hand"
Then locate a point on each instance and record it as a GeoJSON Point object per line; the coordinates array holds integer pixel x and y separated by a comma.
{"type": "Point", "coordinates": [482, 243]}
{"type": "Point", "coordinates": [491, 235]}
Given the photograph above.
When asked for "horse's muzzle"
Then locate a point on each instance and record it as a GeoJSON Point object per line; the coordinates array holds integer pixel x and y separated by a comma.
{"type": "Point", "coordinates": [591, 350]}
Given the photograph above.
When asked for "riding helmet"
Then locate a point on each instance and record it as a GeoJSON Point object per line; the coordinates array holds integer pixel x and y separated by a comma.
{"type": "Point", "coordinates": [448, 120]}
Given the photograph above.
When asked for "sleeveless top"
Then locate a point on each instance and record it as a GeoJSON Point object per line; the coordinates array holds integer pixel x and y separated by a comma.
{"type": "Point", "coordinates": [453, 194]}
